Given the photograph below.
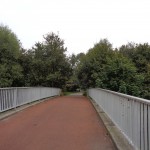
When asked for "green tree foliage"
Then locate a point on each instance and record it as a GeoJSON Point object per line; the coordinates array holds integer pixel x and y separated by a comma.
{"type": "Point", "coordinates": [121, 75]}
{"type": "Point", "coordinates": [140, 56]}
{"type": "Point", "coordinates": [75, 59]}
{"type": "Point", "coordinates": [47, 63]}
{"type": "Point", "coordinates": [44, 65]}
{"type": "Point", "coordinates": [73, 83]}
{"type": "Point", "coordinates": [26, 61]}
{"type": "Point", "coordinates": [92, 65]}
{"type": "Point", "coordinates": [124, 70]}
{"type": "Point", "coordinates": [10, 70]}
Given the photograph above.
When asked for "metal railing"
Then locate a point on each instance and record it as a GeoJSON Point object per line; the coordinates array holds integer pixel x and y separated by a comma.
{"type": "Point", "coordinates": [14, 97]}
{"type": "Point", "coordinates": [130, 114]}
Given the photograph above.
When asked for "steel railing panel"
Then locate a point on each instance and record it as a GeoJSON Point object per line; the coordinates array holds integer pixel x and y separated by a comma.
{"type": "Point", "coordinates": [130, 114]}
{"type": "Point", "coordinates": [14, 97]}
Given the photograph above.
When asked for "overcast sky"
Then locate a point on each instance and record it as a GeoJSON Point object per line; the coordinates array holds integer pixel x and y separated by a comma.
{"type": "Point", "coordinates": [81, 23]}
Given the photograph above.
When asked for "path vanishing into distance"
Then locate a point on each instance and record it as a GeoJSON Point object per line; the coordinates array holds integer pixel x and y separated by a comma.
{"type": "Point", "coordinates": [61, 123]}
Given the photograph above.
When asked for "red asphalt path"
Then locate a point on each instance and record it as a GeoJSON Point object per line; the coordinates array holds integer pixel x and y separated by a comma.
{"type": "Point", "coordinates": [62, 123]}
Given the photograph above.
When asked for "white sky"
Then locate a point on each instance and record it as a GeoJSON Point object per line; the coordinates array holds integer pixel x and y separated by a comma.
{"type": "Point", "coordinates": [81, 23]}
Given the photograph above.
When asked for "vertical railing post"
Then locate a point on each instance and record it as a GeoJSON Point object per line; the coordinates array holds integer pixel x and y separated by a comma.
{"type": "Point", "coordinates": [15, 98]}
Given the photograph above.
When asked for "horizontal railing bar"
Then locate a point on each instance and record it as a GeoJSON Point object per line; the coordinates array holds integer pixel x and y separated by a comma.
{"type": "Point", "coordinates": [12, 97]}
{"type": "Point", "coordinates": [146, 101]}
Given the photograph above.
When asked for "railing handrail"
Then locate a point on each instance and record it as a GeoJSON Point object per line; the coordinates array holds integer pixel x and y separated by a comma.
{"type": "Point", "coordinates": [142, 100]}
{"type": "Point", "coordinates": [12, 97]}
{"type": "Point", "coordinates": [25, 87]}
{"type": "Point", "coordinates": [129, 113]}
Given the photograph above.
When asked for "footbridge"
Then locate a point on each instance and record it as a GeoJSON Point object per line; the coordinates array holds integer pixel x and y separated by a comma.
{"type": "Point", "coordinates": [39, 118]}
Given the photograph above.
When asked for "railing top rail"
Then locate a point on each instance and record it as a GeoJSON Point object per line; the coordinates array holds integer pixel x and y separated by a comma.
{"type": "Point", "coordinates": [7, 88]}
{"type": "Point", "coordinates": [142, 100]}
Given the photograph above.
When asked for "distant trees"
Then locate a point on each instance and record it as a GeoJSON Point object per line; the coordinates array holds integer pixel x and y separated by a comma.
{"type": "Point", "coordinates": [50, 64]}
{"type": "Point", "coordinates": [46, 64]}
{"type": "Point", "coordinates": [73, 83]}
{"type": "Point", "coordinates": [91, 68]}
{"type": "Point", "coordinates": [139, 54]}
{"type": "Point", "coordinates": [124, 70]}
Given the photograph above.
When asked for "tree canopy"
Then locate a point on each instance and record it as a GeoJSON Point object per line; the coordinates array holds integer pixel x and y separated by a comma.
{"type": "Point", "coordinates": [10, 69]}
{"type": "Point", "coordinates": [125, 69]}
{"type": "Point", "coordinates": [46, 63]}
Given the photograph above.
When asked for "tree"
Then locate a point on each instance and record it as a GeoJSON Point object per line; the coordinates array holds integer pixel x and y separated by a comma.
{"type": "Point", "coordinates": [92, 64]}
{"type": "Point", "coordinates": [139, 54]}
{"type": "Point", "coordinates": [73, 83]}
{"type": "Point", "coordinates": [11, 71]}
{"type": "Point", "coordinates": [121, 75]}
{"type": "Point", "coordinates": [50, 65]}
{"type": "Point", "coordinates": [26, 61]}
{"type": "Point", "coordinates": [110, 69]}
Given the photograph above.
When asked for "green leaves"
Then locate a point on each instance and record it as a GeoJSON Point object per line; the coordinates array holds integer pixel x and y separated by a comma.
{"type": "Point", "coordinates": [44, 65]}
{"type": "Point", "coordinates": [9, 44]}
{"type": "Point", "coordinates": [10, 70]}
{"type": "Point", "coordinates": [125, 70]}
{"type": "Point", "coordinates": [50, 66]}
{"type": "Point", "coordinates": [91, 68]}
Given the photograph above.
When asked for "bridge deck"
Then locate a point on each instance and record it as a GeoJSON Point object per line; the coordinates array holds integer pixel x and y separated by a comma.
{"type": "Point", "coordinates": [62, 123]}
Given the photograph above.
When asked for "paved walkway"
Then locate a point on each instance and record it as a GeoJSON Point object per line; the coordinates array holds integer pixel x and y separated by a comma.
{"type": "Point", "coordinates": [63, 123]}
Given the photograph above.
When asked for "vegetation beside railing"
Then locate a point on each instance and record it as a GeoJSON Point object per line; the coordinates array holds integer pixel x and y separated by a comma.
{"type": "Point", "coordinates": [125, 69]}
